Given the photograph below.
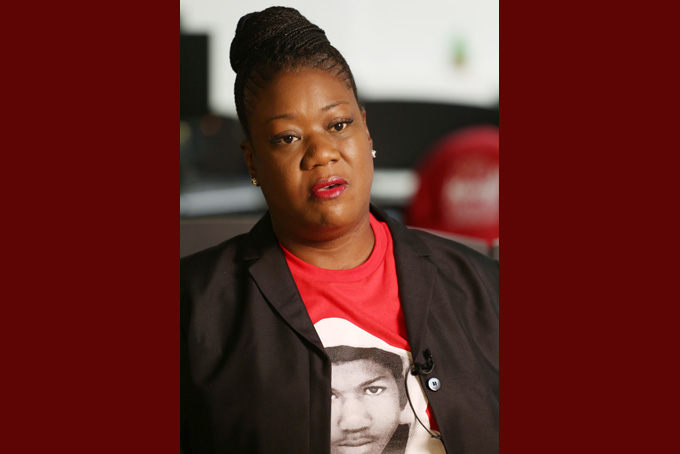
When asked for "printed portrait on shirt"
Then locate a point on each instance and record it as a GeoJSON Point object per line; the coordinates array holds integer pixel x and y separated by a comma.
{"type": "Point", "coordinates": [367, 400]}
{"type": "Point", "coordinates": [370, 412]}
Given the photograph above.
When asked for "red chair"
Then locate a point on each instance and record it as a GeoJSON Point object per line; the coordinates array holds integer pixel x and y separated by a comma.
{"type": "Point", "coordinates": [458, 189]}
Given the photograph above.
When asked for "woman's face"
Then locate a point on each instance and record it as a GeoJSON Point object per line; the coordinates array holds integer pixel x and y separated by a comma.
{"type": "Point", "coordinates": [310, 150]}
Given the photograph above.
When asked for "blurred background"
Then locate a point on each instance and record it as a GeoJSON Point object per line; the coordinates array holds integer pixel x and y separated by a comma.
{"type": "Point", "coordinates": [428, 75]}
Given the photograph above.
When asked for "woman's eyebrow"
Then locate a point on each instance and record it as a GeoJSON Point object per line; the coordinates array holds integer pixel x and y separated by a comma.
{"type": "Point", "coordinates": [279, 117]}
{"type": "Point", "coordinates": [335, 104]}
{"type": "Point", "coordinates": [289, 115]}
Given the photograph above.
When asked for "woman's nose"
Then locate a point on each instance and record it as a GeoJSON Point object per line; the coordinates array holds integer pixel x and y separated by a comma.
{"type": "Point", "coordinates": [320, 152]}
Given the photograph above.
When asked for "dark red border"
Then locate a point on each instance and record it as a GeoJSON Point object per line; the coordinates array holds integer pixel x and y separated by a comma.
{"type": "Point", "coordinates": [111, 370]}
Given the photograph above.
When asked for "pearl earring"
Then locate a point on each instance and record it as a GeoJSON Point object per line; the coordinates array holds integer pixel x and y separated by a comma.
{"type": "Point", "coordinates": [374, 153]}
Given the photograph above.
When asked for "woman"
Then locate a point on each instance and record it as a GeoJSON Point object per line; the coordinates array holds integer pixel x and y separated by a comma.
{"type": "Point", "coordinates": [325, 268]}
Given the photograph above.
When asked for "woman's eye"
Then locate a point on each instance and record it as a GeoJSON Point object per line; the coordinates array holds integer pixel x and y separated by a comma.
{"type": "Point", "coordinates": [287, 139]}
{"type": "Point", "coordinates": [339, 126]}
{"type": "Point", "coordinates": [374, 390]}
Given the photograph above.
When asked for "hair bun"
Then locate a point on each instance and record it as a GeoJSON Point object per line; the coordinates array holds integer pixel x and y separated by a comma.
{"type": "Point", "coordinates": [272, 31]}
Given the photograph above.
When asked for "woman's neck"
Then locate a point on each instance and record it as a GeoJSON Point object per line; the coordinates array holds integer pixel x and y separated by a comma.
{"type": "Point", "coordinates": [340, 249]}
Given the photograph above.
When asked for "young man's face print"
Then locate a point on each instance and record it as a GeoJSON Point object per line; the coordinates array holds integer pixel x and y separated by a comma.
{"type": "Point", "coordinates": [365, 407]}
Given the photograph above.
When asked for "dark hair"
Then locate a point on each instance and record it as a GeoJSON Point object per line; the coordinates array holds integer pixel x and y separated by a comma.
{"type": "Point", "coordinates": [390, 361]}
{"type": "Point", "coordinates": [276, 39]}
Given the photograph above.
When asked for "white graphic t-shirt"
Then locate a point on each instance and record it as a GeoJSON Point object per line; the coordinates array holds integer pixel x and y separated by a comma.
{"type": "Point", "coordinates": [358, 317]}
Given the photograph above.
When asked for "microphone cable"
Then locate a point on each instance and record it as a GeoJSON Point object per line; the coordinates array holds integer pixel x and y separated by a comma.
{"type": "Point", "coordinates": [420, 369]}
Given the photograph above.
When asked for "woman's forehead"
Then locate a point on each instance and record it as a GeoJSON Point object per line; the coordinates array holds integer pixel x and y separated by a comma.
{"type": "Point", "coordinates": [310, 89]}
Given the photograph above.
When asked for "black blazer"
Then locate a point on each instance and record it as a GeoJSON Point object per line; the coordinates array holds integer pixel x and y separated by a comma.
{"type": "Point", "coordinates": [254, 377]}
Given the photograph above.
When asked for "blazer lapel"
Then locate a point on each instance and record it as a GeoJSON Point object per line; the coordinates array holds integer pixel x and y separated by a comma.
{"type": "Point", "coordinates": [416, 275]}
{"type": "Point", "coordinates": [272, 276]}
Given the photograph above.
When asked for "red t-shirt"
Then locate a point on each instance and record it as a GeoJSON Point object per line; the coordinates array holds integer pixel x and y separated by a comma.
{"type": "Point", "coordinates": [367, 296]}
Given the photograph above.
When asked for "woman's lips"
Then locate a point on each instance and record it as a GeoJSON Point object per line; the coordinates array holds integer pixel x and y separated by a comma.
{"type": "Point", "coordinates": [329, 189]}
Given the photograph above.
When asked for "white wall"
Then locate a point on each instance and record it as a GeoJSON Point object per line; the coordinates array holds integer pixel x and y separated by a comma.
{"type": "Point", "coordinates": [396, 50]}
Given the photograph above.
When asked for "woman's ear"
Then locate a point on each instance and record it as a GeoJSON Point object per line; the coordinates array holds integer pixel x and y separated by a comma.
{"type": "Point", "coordinates": [368, 133]}
{"type": "Point", "coordinates": [247, 150]}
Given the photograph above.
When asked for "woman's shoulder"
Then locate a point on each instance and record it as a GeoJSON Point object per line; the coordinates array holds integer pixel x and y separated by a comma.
{"type": "Point", "coordinates": [229, 253]}
{"type": "Point", "coordinates": [441, 248]}
{"type": "Point", "coordinates": [448, 246]}
{"type": "Point", "coordinates": [453, 257]}
{"type": "Point", "coordinates": [211, 256]}
{"type": "Point", "coordinates": [214, 269]}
